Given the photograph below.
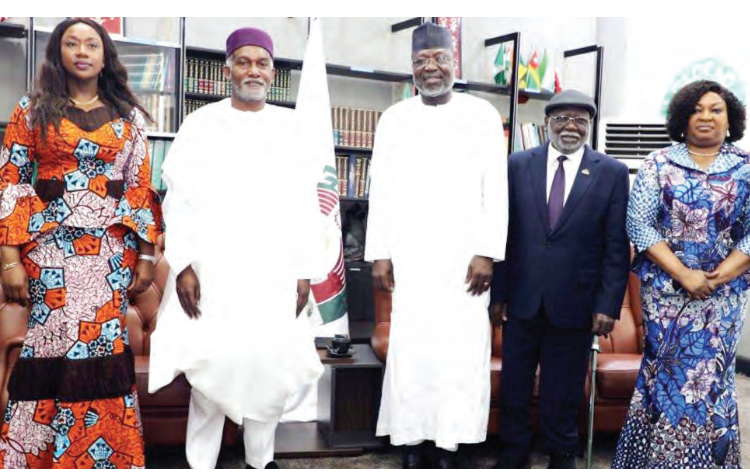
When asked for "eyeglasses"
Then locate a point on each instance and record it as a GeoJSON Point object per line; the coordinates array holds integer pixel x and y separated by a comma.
{"type": "Point", "coordinates": [564, 119]}
{"type": "Point", "coordinates": [440, 60]}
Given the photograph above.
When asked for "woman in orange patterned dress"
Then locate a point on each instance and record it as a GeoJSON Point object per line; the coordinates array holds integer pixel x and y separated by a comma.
{"type": "Point", "coordinates": [73, 246]}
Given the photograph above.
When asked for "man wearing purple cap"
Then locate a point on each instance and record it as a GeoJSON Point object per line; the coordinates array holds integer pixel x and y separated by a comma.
{"type": "Point", "coordinates": [444, 155]}
{"type": "Point", "coordinates": [239, 164]}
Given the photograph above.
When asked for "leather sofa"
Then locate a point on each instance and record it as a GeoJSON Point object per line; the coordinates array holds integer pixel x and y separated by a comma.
{"type": "Point", "coordinates": [618, 363]}
{"type": "Point", "coordinates": [164, 414]}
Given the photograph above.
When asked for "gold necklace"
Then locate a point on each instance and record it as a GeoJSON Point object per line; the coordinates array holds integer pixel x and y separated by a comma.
{"type": "Point", "coordinates": [87, 103]}
{"type": "Point", "coordinates": [704, 154]}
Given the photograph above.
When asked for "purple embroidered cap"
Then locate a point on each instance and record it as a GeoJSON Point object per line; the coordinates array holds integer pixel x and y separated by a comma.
{"type": "Point", "coordinates": [249, 37]}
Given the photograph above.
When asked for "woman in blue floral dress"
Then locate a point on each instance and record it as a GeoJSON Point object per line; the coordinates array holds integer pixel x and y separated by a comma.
{"type": "Point", "coordinates": [689, 219]}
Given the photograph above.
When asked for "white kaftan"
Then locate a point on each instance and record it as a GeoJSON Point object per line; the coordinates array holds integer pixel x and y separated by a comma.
{"type": "Point", "coordinates": [240, 195]}
{"type": "Point", "coordinates": [438, 197]}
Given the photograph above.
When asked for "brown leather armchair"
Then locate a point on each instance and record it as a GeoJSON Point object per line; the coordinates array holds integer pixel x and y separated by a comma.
{"type": "Point", "coordinates": [164, 414]}
{"type": "Point", "coordinates": [618, 364]}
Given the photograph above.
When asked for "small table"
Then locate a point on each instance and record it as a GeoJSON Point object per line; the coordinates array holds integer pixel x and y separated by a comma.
{"type": "Point", "coordinates": [348, 403]}
{"type": "Point", "coordinates": [349, 399]}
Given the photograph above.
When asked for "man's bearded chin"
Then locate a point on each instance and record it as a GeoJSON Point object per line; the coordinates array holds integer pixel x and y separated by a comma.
{"type": "Point", "coordinates": [249, 95]}
{"type": "Point", "coordinates": [434, 92]}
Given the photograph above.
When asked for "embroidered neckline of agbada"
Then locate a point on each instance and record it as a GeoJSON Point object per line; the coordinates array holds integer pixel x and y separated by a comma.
{"type": "Point", "coordinates": [729, 156]}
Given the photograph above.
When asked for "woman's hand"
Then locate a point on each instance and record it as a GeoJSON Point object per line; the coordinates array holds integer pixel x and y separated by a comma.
{"type": "Point", "coordinates": [696, 284]}
{"type": "Point", "coordinates": [142, 278]}
{"type": "Point", "coordinates": [16, 285]}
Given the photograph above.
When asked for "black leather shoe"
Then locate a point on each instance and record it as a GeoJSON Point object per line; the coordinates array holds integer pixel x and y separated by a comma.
{"type": "Point", "coordinates": [269, 466]}
{"type": "Point", "coordinates": [506, 462]}
{"type": "Point", "coordinates": [445, 459]}
{"type": "Point", "coordinates": [562, 461]}
{"type": "Point", "coordinates": [414, 456]}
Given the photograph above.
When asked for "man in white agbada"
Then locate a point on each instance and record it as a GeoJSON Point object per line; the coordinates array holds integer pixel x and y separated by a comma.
{"type": "Point", "coordinates": [437, 221]}
{"type": "Point", "coordinates": [240, 197]}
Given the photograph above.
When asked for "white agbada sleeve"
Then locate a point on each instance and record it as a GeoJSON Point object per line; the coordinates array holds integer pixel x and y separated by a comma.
{"type": "Point", "coordinates": [178, 208]}
{"type": "Point", "coordinates": [492, 234]}
{"type": "Point", "coordinates": [170, 340]}
{"type": "Point", "coordinates": [377, 244]}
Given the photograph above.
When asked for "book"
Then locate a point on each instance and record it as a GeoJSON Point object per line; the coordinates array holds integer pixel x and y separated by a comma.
{"type": "Point", "coordinates": [357, 177]}
{"type": "Point", "coordinates": [363, 176]}
{"type": "Point", "coordinates": [352, 177]}
{"type": "Point", "coordinates": [342, 171]}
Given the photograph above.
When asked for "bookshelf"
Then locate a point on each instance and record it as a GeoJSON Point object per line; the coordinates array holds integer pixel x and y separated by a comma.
{"type": "Point", "coordinates": [526, 135]}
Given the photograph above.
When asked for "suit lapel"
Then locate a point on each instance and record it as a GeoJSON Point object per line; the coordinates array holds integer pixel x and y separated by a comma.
{"type": "Point", "coordinates": [538, 172]}
{"type": "Point", "coordinates": [583, 179]}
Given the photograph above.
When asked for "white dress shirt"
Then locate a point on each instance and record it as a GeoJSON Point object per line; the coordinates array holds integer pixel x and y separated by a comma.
{"type": "Point", "coordinates": [570, 166]}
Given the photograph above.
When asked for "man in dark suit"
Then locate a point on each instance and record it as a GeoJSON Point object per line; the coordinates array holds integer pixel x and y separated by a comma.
{"type": "Point", "coordinates": [563, 280]}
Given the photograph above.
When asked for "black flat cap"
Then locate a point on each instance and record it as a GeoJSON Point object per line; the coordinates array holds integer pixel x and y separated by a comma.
{"type": "Point", "coordinates": [571, 98]}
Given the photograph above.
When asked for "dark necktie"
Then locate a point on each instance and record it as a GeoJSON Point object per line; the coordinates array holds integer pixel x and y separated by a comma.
{"type": "Point", "coordinates": [557, 193]}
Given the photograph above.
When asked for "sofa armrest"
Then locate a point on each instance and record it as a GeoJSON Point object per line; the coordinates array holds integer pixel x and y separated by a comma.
{"type": "Point", "coordinates": [379, 340]}
{"type": "Point", "coordinates": [616, 375]}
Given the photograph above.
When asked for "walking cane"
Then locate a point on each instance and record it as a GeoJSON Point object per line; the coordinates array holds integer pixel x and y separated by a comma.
{"type": "Point", "coordinates": [595, 350]}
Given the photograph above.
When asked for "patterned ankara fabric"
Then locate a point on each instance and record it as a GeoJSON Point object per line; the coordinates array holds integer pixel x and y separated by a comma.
{"type": "Point", "coordinates": [72, 392]}
{"type": "Point", "coordinates": [684, 410]}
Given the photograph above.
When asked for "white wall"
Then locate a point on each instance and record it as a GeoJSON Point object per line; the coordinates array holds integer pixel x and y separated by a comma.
{"type": "Point", "coordinates": [646, 55]}
{"type": "Point", "coordinates": [288, 33]}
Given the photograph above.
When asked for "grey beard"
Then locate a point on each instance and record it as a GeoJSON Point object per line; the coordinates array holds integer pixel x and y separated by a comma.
{"type": "Point", "coordinates": [434, 92]}
{"type": "Point", "coordinates": [250, 97]}
{"type": "Point", "coordinates": [568, 150]}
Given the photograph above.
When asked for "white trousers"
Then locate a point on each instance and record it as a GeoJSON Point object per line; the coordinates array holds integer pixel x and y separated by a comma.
{"type": "Point", "coordinates": [206, 427]}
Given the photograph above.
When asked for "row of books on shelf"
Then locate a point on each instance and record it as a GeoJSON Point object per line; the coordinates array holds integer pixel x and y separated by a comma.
{"type": "Point", "coordinates": [162, 109]}
{"type": "Point", "coordinates": [206, 76]}
{"type": "Point", "coordinates": [191, 105]}
{"type": "Point", "coordinates": [529, 135]}
{"type": "Point", "coordinates": [158, 149]}
{"type": "Point", "coordinates": [354, 127]}
{"type": "Point", "coordinates": [353, 175]}
{"type": "Point", "coordinates": [151, 72]}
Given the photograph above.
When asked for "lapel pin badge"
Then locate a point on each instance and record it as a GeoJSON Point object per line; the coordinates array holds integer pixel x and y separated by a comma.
{"type": "Point", "coordinates": [586, 171]}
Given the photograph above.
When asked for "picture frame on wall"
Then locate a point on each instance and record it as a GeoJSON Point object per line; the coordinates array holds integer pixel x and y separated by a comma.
{"type": "Point", "coordinates": [115, 26]}
{"type": "Point", "coordinates": [453, 24]}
